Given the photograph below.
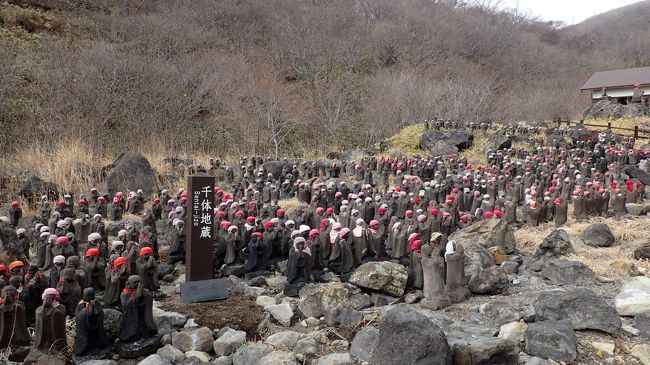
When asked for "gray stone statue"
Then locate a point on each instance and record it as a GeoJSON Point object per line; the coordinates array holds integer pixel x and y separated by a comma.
{"type": "Point", "coordinates": [456, 285]}
{"type": "Point", "coordinates": [433, 269]}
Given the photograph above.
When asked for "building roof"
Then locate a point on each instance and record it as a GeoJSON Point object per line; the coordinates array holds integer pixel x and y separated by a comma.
{"type": "Point", "coordinates": [614, 78]}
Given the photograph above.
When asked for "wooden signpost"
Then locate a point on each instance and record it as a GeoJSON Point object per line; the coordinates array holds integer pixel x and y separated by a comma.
{"type": "Point", "coordinates": [199, 232]}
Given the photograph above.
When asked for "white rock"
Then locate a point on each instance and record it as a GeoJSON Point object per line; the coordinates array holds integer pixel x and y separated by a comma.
{"type": "Point", "coordinates": [195, 339]}
{"type": "Point", "coordinates": [228, 342]}
{"type": "Point", "coordinates": [281, 312]}
{"type": "Point", "coordinates": [286, 338]}
{"type": "Point", "coordinates": [190, 323]}
{"type": "Point", "coordinates": [312, 321]}
{"type": "Point", "coordinates": [642, 352]}
{"type": "Point", "coordinates": [223, 360]}
{"type": "Point", "coordinates": [630, 330]}
{"type": "Point", "coordinates": [254, 291]}
{"type": "Point", "coordinates": [306, 346]}
{"type": "Point", "coordinates": [337, 358]}
{"type": "Point", "coordinates": [265, 300]}
{"type": "Point", "coordinates": [514, 331]}
{"type": "Point", "coordinates": [605, 347]}
{"type": "Point", "coordinates": [203, 356]}
{"type": "Point", "coordinates": [634, 297]}
{"type": "Point", "coordinates": [171, 354]}
{"type": "Point", "coordinates": [276, 282]}
{"type": "Point", "coordinates": [154, 360]}
{"type": "Point", "coordinates": [168, 319]}
{"type": "Point", "coordinates": [278, 358]}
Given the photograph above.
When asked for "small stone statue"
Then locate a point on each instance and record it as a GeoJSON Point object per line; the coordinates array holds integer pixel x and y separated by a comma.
{"type": "Point", "coordinates": [300, 262]}
{"type": "Point", "coordinates": [69, 290]}
{"type": "Point", "coordinates": [116, 281]}
{"type": "Point", "coordinates": [256, 253]}
{"type": "Point", "coordinates": [147, 269]}
{"type": "Point", "coordinates": [137, 312]}
{"type": "Point", "coordinates": [94, 267]}
{"type": "Point", "coordinates": [90, 338]}
{"type": "Point", "coordinates": [49, 334]}
{"type": "Point", "coordinates": [13, 327]}
{"type": "Point", "coordinates": [456, 285]}
{"type": "Point", "coordinates": [433, 270]}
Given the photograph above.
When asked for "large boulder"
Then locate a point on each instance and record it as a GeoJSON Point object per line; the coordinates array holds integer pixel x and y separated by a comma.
{"type": "Point", "coordinates": [383, 276]}
{"type": "Point", "coordinates": [634, 297]}
{"type": "Point", "coordinates": [130, 172]}
{"type": "Point", "coordinates": [364, 343]}
{"type": "Point", "coordinates": [497, 142]}
{"type": "Point", "coordinates": [581, 133]}
{"type": "Point", "coordinates": [642, 253]}
{"type": "Point", "coordinates": [488, 233]}
{"type": "Point", "coordinates": [275, 167]}
{"type": "Point", "coordinates": [598, 235]}
{"type": "Point", "coordinates": [581, 306]}
{"type": "Point", "coordinates": [469, 349]}
{"type": "Point", "coordinates": [636, 173]}
{"type": "Point", "coordinates": [565, 272]}
{"type": "Point", "coordinates": [434, 141]}
{"type": "Point", "coordinates": [556, 244]}
{"type": "Point", "coordinates": [33, 188]}
{"type": "Point", "coordinates": [477, 258]}
{"type": "Point", "coordinates": [194, 339]}
{"type": "Point", "coordinates": [551, 340]}
{"type": "Point", "coordinates": [228, 342]}
{"type": "Point", "coordinates": [317, 299]}
{"type": "Point", "coordinates": [488, 281]}
{"type": "Point", "coordinates": [420, 341]}
{"type": "Point", "coordinates": [251, 354]}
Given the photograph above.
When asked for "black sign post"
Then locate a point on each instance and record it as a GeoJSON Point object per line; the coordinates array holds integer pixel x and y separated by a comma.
{"type": "Point", "coordinates": [199, 232]}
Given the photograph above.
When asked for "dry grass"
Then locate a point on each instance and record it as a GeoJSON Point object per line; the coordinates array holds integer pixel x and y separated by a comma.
{"type": "Point", "coordinates": [629, 233]}
{"type": "Point", "coordinates": [475, 153]}
{"type": "Point", "coordinates": [407, 140]}
{"type": "Point", "coordinates": [290, 204]}
{"type": "Point", "coordinates": [68, 164]}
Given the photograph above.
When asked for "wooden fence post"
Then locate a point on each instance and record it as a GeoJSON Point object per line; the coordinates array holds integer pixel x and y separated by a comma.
{"type": "Point", "coordinates": [636, 132]}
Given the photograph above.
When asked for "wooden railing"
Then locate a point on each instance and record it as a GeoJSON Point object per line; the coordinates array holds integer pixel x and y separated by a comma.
{"type": "Point", "coordinates": [637, 132]}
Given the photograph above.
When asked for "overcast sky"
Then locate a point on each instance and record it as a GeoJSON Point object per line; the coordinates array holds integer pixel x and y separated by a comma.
{"type": "Point", "coordinates": [568, 11]}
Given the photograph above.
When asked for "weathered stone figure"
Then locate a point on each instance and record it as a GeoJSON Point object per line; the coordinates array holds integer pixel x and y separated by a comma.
{"type": "Point", "coordinates": [13, 326]}
{"type": "Point", "coordinates": [94, 266]}
{"type": "Point", "coordinates": [137, 312]}
{"type": "Point", "coordinates": [456, 286]}
{"type": "Point", "coordinates": [69, 290]}
{"type": "Point", "coordinates": [49, 333]}
{"type": "Point", "coordinates": [300, 262]}
{"type": "Point", "coordinates": [147, 269]}
{"type": "Point", "coordinates": [90, 337]}
{"type": "Point", "coordinates": [433, 269]}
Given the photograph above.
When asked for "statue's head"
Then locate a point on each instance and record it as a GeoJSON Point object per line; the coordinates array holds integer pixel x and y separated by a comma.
{"type": "Point", "coordinates": [133, 281]}
{"type": "Point", "coordinates": [72, 262]}
{"type": "Point", "coordinates": [68, 275]}
{"type": "Point", "coordinates": [9, 294]}
{"type": "Point", "coordinates": [89, 294]}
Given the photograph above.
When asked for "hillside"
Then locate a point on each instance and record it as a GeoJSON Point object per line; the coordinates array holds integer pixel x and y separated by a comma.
{"type": "Point", "coordinates": [281, 77]}
{"type": "Point", "coordinates": [616, 33]}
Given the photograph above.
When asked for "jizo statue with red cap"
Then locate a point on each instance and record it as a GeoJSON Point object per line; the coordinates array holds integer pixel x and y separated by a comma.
{"type": "Point", "coordinates": [94, 267]}
{"type": "Point", "coordinates": [15, 213]}
{"type": "Point", "coordinates": [147, 269]}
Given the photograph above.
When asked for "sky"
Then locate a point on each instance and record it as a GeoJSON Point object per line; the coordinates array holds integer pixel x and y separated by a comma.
{"type": "Point", "coordinates": [568, 11]}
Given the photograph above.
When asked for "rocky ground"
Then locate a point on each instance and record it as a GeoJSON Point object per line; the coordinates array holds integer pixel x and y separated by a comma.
{"type": "Point", "coordinates": [536, 302]}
